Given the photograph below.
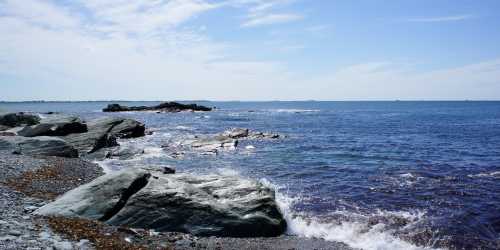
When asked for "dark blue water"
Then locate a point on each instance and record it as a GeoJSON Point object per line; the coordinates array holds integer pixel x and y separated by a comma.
{"type": "Point", "coordinates": [375, 175]}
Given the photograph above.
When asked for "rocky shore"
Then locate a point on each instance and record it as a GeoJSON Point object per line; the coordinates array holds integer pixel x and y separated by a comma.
{"type": "Point", "coordinates": [52, 197]}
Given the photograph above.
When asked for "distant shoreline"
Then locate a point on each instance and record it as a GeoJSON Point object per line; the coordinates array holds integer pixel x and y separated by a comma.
{"type": "Point", "coordinates": [246, 101]}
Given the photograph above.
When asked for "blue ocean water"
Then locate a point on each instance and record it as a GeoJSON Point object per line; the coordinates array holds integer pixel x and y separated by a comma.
{"type": "Point", "coordinates": [375, 175]}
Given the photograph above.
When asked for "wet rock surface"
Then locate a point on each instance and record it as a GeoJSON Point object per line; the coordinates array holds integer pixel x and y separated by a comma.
{"type": "Point", "coordinates": [200, 205]}
{"type": "Point", "coordinates": [46, 146]}
{"type": "Point", "coordinates": [163, 107]}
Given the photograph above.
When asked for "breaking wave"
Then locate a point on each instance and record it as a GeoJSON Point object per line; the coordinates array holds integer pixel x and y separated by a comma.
{"type": "Point", "coordinates": [356, 233]}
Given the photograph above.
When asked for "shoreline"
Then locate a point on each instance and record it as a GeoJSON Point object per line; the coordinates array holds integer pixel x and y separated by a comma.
{"type": "Point", "coordinates": [29, 182]}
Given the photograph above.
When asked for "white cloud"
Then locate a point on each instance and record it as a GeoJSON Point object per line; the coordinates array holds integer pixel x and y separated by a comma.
{"type": "Point", "coordinates": [80, 63]}
{"type": "Point", "coordinates": [386, 80]}
{"type": "Point", "coordinates": [440, 19]}
{"type": "Point", "coordinates": [39, 12]}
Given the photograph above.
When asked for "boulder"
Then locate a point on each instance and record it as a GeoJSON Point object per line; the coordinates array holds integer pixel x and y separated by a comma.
{"type": "Point", "coordinates": [43, 145]}
{"type": "Point", "coordinates": [128, 128]}
{"type": "Point", "coordinates": [103, 133]}
{"type": "Point", "coordinates": [55, 125]}
{"type": "Point", "coordinates": [165, 107]}
{"type": "Point", "coordinates": [211, 205]}
{"type": "Point", "coordinates": [18, 119]}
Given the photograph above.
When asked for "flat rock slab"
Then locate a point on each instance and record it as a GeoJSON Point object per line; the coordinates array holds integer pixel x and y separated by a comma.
{"type": "Point", "coordinates": [212, 205]}
{"type": "Point", "coordinates": [43, 145]}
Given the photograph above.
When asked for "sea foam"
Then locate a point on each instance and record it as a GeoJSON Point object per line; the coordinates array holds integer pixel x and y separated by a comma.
{"type": "Point", "coordinates": [354, 234]}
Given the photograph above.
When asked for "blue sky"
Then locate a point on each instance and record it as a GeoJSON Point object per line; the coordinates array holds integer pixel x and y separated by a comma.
{"type": "Point", "coordinates": [249, 50]}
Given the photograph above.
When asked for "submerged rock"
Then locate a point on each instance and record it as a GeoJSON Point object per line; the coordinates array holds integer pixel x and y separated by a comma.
{"type": "Point", "coordinates": [165, 107]}
{"type": "Point", "coordinates": [236, 133]}
{"type": "Point", "coordinates": [215, 142]}
{"type": "Point", "coordinates": [18, 119]}
{"type": "Point", "coordinates": [211, 205]}
{"type": "Point", "coordinates": [48, 146]}
{"type": "Point", "coordinates": [244, 133]}
{"type": "Point", "coordinates": [103, 133]}
{"type": "Point", "coordinates": [55, 125]}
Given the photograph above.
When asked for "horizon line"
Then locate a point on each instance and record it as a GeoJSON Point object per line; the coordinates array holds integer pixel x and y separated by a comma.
{"type": "Point", "coordinates": [309, 100]}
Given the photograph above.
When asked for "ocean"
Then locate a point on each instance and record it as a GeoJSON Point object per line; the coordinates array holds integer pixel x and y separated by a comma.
{"type": "Point", "coordinates": [374, 175]}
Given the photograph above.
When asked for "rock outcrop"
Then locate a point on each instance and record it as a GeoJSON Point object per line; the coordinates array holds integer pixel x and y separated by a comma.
{"type": "Point", "coordinates": [103, 133]}
{"type": "Point", "coordinates": [47, 146]}
{"type": "Point", "coordinates": [163, 107]}
{"type": "Point", "coordinates": [55, 125]}
{"type": "Point", "coordinates": [211, 205]}
{"type": "Point", "coordinates": [18, 119]}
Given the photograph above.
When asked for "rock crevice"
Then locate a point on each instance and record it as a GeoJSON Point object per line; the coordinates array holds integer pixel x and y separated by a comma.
{"type": "Point", "coordinates": [134, 187]}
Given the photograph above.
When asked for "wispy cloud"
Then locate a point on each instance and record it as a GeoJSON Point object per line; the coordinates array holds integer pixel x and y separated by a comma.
{"type": "Point", "coordinates": [440, 19]}
{"type": "Point", "coordinates": [266, 12]}
{"type": "Point", "coordinates": [269, 19]}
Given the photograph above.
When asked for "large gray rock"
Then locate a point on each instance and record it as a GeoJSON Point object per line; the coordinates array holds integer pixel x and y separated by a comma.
{"type": "Point", "coordinates": [201, 205]}
{"type": "Point", "coordinates": [103, 133]}
{"type": "Point", "coordinates": [55, 125]}
{"type": "Point", "coordinates": [48, 146]}
{"type": "Point", "coordinates": [18, 119]}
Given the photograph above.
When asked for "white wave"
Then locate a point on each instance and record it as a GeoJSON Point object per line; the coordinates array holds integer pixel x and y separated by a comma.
{"type": "Point", "coordinates": [152, 152]}
{"type": "Point", "coordinates": [227, 172]}
{"type": "Point", "coordinates": [250, 147]}
{"type": "Point", "coordinates": [184, 128]}
{"type": "Point", "coordinates": [495, 174]}
{"type": "Point", "coordinates": [407, 175]}
{"type": "Point", "coordinates": [356, 234]}
{"type": "Point", "coordinates": [106, 165]}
